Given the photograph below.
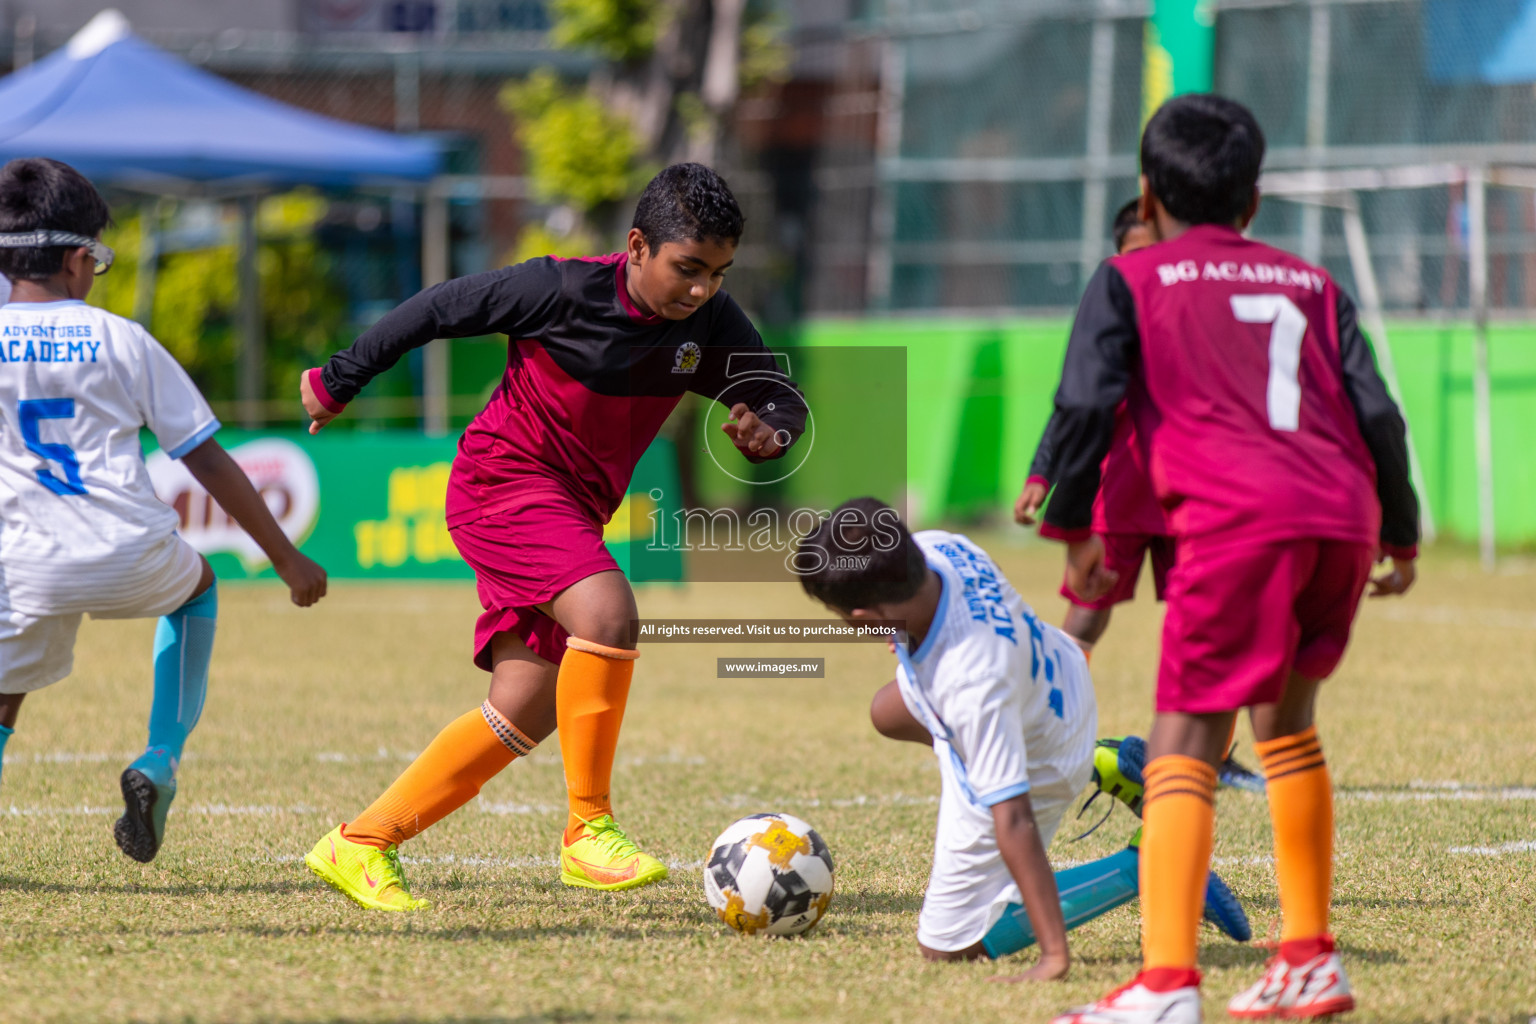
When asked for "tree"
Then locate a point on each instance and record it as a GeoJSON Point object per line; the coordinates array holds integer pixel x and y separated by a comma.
{"type": "Point", "coordinates": [190, 301]}
{"type": "Point", "coordinates": [672, 72]}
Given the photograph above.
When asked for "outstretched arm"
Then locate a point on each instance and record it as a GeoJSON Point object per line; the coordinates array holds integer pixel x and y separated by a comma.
{"type": "Point", "coordinates": [1018, 840]}
{"type": "Point", "coordinates": [227, 483]}
{"type": "Point", "coordinates": [511, 300]}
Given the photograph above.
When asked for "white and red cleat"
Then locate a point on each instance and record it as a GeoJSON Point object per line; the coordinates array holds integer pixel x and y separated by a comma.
{"type": "Point", "coordinates": [1158, 996]}
{"type": "Point", "coordinates": [1305, 980]}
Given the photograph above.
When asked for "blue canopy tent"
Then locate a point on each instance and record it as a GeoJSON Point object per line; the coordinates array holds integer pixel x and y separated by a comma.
{"type": "Point", "coordinates": [123, 111]}
{"type": "Point", "coordinates": [128, 114]}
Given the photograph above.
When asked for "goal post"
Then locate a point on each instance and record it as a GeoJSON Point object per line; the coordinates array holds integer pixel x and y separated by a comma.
{"type": "Point", "coordinates": [1340, 189]}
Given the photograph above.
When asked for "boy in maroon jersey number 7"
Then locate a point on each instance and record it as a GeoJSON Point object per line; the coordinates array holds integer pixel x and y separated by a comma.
{"type": "Point", "coordinates": [1283, 463]}
{"type": "Point", "coordinates": [1126, 514]}
{"type": "Point", "coordinates": [601, 350]}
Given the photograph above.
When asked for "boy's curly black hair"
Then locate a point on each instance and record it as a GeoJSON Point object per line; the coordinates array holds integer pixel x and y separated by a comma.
{"type": "Point", "coordinates": [688, 201]}
{"type": "Point", "coordinates": [860, 556]}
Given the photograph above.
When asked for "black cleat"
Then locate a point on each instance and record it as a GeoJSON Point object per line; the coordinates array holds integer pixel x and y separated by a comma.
{"type": "Point", "coordinates": [139, 831]}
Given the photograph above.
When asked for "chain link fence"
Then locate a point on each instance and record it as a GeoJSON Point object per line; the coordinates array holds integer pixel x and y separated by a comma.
{"type": "Point", "coordinates": [1007, 139]}
{"type": "Point", "coordinates": [914, 158]}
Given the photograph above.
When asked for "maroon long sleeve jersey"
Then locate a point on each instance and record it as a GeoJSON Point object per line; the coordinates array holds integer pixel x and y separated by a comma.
{"type": "Point", "coordinates": [589, 381]}
{"type": "Point", "coordinates": [1256, 401]}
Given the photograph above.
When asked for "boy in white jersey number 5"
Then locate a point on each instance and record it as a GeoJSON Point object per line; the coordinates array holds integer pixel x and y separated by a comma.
{"type": "Point", "coordinates": [81, 530]}
{"type": "Point", "coordinates": [1007, 704]}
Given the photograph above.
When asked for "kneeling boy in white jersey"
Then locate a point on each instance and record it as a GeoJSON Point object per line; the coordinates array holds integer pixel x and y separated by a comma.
{"type": "Point", "coordinates": [1007, 704]}
{"type": "Point", "coordinates": [81, 530]}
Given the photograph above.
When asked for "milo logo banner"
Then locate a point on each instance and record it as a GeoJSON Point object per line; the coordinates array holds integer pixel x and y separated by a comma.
{"type": "Point", "coordinates": [370, 505]}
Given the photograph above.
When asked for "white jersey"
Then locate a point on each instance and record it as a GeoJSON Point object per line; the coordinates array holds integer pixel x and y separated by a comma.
{"type": "Point", "coordinates": [1010, 705]}
{"type": "Point", "coordinates": [80, 527]}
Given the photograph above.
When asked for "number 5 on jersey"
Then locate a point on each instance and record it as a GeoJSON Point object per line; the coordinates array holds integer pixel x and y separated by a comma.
{"type": "Point", "coordinates": [1290, 326]}
{"type": "Point", "coordinates": [30, 412]}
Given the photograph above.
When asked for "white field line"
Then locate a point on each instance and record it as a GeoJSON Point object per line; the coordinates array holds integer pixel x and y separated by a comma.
{"type": "Point", "coordinates": [512, 807]}
{"type": "Point", "coordinates": [211, 810]}
{"type": "Point", "coordinates": [78, 757]}
{"type": "Point", "coordinates": [737, 801]}
{"type": "Point", "coordinates": [383, 755]}
{"type": "Point", "coordinates": [455, 860]}
{"type": "Point", "coordinates": [1428, 792]}
{"type": "Point", "coordinates": [1453, 615]}
{"type": "Point", "coordinates": [1503, 849]}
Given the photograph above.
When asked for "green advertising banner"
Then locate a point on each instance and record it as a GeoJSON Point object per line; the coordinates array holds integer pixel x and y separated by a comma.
{"type": "Point", "coordinates": [370, 505]}
{"type": "Point", "coordinates": [1180, 52]}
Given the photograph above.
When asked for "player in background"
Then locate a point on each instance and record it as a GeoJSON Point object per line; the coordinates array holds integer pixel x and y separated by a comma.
{"type": "Point", "coordinates": [1126, 514]}
{"type": "Point", "coordinates": [601, 351]}
{"type": "Point", "coordinates": [1283, 463]}
{"type": "Point", "coordinates": [1006, 703]}
{"type": "Point", "coordinates": [81, 530]}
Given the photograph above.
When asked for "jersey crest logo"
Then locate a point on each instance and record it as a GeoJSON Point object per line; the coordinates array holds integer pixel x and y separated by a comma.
{"type": "Point", "coordinates": [687, 359]}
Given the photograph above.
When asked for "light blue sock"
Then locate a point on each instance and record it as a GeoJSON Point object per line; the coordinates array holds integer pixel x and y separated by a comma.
{"type": "Point", "coordinates": [1086, 891]}
{"type": "Point", "coordinates": [5, 734]}
{"type": "Point", "coordinates": [183, 648]}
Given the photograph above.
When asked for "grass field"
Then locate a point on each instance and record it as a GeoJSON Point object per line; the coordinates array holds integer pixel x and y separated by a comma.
{"type": "Point", "coordinates": [1430, 728]}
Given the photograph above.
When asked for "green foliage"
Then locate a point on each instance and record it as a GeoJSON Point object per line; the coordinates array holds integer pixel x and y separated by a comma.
{"type": "Point", "coordinates": [537, 240]}
{"type": "Point", "coordinates": [196, 295]}
{"type": "Point", "coordinates": [620, 30]}
{"type": "Point", "coordinates": [578, 152]}
{"type": "Point", "coordinates": [765, 54]}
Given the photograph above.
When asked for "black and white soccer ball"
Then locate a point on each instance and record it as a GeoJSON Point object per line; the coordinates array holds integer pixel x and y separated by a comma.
{"type": "Point", "coordinates": [769, 874]}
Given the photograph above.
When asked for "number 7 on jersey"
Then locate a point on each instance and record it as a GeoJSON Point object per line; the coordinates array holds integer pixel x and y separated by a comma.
{"type": "Point", "coordinates": [1289, 327]}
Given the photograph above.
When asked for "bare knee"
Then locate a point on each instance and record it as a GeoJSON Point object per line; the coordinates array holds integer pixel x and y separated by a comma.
{"type": "Point", "coordinates": [1086, 624]}
{"type": "Point", "coordinates": [1292, 714]}
{"type": "Point", "coordinates": [891, 719]}
{"type": "Point", "coordinates": [600, 608]}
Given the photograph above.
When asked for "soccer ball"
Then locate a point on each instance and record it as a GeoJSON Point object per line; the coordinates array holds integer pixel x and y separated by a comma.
{"type": "Point", "coordinates": [769, 874]}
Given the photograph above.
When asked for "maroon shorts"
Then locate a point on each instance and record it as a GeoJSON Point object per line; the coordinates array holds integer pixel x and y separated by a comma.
{"type": "Point", "coordinates": [523, 556]}
{"type": "Point", "coordinates": [1124, 552]}
{"type": "Point", "coordinates": [1242, 617]}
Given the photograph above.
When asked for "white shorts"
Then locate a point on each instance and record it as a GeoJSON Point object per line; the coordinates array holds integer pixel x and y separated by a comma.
{"type": "Point", "coordinates": [38, 650]}
{"type": "Point", "coordinates": [969, 877]}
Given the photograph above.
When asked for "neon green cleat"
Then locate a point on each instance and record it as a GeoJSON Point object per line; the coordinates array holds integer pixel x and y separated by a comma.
{"type": "Point", "coordinates": [1117, 765]}
{"type": "Point", "coordinates": [603, 857]}
{"type": "Point", "coordinates": [367, 875]}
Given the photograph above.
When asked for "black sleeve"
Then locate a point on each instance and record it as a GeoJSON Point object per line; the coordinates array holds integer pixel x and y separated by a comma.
{"type": "Point", "coordinates": [1044, 464]}
{"type": "Point", "coordinates": [1100, 354]}
{"type": "Point", "coordinates": [512, 300]}
{"type": "Point", "coordinates": [1382, 426]}
{"type": "Point", "coordinates": [738, 367]}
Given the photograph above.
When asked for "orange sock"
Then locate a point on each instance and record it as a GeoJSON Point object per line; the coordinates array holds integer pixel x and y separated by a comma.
{"type": "Point", "coordinates": [590, 694]}
{"type": "Point", "coordinates": [1179, 822]}
{"type": "Point", "coordinates": [446, 776]}
{"type": "Point", "coordinates": [1301, 809]}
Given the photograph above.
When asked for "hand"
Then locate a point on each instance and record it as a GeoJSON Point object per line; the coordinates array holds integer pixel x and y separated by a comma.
{"type": "Point", "coordinates": [1028, 505]}
{"type": "Point", "coordinates": [748, 433]}
{"type": "Point", "coordinates": [1086, 574]}
{"type": "Point", "coordinates": [318, 413]}
{"type": "Point", "coordinates": [304, 576]}
{"type": "Point", "coordinates": [1395, 582]}
{"type": "Point", "coordinates": [1050, 968]}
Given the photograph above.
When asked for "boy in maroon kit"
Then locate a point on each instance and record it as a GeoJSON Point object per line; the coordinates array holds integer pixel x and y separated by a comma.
{"type": "Point", "coordinates": [1126, 514]}
{"type": "Point", "coordinates": [1282, 463]}
{"type": "Point", "coordinates": [601, 351]}
{"type": "Point", "coordinates": [1125, 511]}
